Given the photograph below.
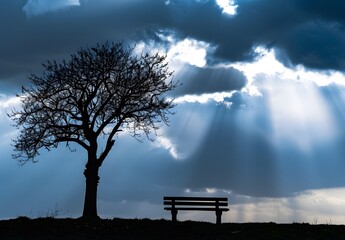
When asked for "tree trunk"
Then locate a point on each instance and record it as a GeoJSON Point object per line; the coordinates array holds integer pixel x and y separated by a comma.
{"type": "Point", "coordinates": [92, 180]}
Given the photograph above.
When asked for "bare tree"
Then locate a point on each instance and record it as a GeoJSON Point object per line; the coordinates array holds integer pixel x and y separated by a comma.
{"type": "Point", "coordinates": [97, 93]}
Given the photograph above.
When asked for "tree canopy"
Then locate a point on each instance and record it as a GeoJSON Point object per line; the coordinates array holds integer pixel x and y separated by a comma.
{"type": "Point", "coordinates": [99, 91]}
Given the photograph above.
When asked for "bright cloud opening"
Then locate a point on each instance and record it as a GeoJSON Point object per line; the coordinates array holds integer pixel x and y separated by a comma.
{"type": "Point", "coordinates": [218, 97]}
{"type": "Point", "coordinates": [179, 52]}
{"type": "Point", "coordinates": [299, 112]}
{"type": "Point", "coordinates": [268, 64]}
{"type": "Point", "coordinates": [189, 51]}
{"type": "Point", "coordinates": [228, 6]}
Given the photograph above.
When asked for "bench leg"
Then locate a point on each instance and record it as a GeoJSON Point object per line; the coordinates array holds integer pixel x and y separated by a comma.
{"type": "Point", "coordinates": [219, 217]}
{"type": "Point", "coordinates": [174, 215]}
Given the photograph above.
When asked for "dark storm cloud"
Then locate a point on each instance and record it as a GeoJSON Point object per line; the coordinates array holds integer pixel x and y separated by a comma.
{"type": "Point", "coordinates": [326, 10]}
{"type": "Point", "coordinates": [197, 80]}
{"type": "Point", "coordinates": [317, 45]}
{"type": "Point", "coordinates": [29, 41]}
{"type": "Point", "coordinates": [308, 32]}
{"type": "Point", "coordinates": [305, 32]}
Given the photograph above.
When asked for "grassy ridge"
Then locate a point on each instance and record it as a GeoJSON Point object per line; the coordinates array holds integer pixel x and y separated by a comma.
{"type": "Point", "coordinates": [49, 228]}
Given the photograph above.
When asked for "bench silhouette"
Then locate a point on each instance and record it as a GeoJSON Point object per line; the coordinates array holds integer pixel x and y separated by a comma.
{"type": "Point", "coordinates": [196, 204]}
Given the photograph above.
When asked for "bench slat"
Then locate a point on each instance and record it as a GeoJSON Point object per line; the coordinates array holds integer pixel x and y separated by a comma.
{"type": "Point", "coordinates": [197, 198]}
{"type": "Point", "coordinates": [198, 209]}
{"type": "Point", "coordinates": [190, 203]}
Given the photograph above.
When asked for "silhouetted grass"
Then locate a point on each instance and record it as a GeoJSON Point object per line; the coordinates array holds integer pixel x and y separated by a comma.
{"type": "Point", "coordinates": [50, 228]}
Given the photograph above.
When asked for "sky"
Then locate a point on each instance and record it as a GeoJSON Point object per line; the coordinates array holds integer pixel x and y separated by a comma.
{"type": "Point", "coordinates": [260, 115]}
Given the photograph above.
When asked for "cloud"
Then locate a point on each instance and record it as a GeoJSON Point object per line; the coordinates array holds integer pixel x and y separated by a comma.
{"type": "Point", "coordinates": [30, 42]}
{"type": "Point", "coordinates": [268, 63]}
{"type": "Point", "coordinates": [189, 51]}
{"type": "Point", "coordinates": [300, 32]}
{"type": "Point", "coordinates": [307, 34]}
{"type": "Point", "coordinates": [187, 59]}
{"type": "Point", "coordinates": [178, 51]}
{"type": "Point", "coordinates": [166, 143]}
{"type": "Point", "coordinates": [218, 97]}
{"type": "Point", "coordinates": [38, 7]}
{"type": "Point", "coordinates": [8, 102]}
{"type": "Point", "coordinates": [315, 44]}
{"type": "Point", "coordinates": [228, 6]}
{"type": "Point", "coordinates": [319, 206]}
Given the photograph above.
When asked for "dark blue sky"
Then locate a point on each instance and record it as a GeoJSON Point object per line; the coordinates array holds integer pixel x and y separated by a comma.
{"type": "Point", "coordinates": [260, 116]}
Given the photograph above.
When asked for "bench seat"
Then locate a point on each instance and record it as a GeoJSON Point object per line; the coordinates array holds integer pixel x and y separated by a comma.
{"type": "Point", "coordinates": [218, 205]}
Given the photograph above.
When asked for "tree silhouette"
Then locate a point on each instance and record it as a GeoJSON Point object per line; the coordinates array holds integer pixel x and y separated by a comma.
{"type": "Point", "coordinates": [97, 93]}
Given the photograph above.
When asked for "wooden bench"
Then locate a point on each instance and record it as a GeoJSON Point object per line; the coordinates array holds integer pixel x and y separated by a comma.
{"type": "Point", "coordinates": [196, 204]}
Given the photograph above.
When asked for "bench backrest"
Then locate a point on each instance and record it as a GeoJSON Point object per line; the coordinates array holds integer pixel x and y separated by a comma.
{"type": "Point", "coordinates": [196, 201]}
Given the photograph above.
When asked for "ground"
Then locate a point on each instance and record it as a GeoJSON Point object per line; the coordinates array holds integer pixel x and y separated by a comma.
{"type": "Point", "coordinates": [76, 229]}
